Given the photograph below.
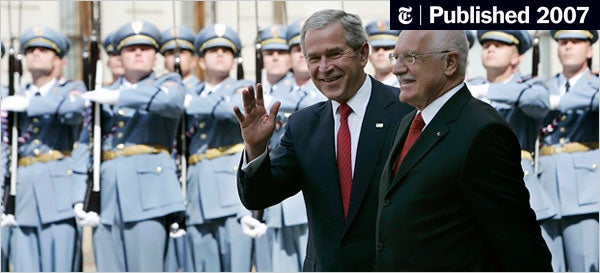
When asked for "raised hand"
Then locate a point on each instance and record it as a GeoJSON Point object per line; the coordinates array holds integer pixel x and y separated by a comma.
{"type": "Point", "coordinates": [257, 125]}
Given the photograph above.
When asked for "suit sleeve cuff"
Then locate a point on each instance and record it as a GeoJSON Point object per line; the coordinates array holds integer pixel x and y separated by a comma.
{"type": "Point", "coordinates": [250, 167]}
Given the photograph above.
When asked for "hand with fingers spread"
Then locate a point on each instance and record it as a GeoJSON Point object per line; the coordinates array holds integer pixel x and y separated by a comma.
{"type": "Point", "coordinates": [257, 125]}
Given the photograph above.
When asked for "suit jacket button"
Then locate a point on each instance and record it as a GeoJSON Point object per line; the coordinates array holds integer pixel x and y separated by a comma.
{"type": "Point", "coordinates": [386, 202]}
{"type": "Point", "coordinates": [379, 246]}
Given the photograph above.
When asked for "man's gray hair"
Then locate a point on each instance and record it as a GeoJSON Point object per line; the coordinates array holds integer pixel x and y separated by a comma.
{"type": "Point", "coordinates": [453, 41]}
{"type": "Point", "coordinates": [353, 29]}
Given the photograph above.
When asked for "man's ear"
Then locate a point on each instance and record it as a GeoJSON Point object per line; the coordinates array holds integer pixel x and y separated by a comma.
{"type": "Point", "coordinates": [451, 63]}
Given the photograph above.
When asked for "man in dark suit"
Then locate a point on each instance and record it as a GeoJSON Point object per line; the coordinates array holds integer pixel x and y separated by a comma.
{"type": "Point", "coordinates": [323, 138]}
{"type": "Point", "coordinates": [456, 201]}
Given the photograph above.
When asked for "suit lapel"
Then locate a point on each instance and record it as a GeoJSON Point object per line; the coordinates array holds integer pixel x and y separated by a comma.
{"type": "Point", "coordinates": [326, 151]}
{"type": "Point", "coordinates": [371, 141]}
{"type": "Point", "coordinates": [399, 138]}
{"type": "Point", "coordinates": [433, 133]}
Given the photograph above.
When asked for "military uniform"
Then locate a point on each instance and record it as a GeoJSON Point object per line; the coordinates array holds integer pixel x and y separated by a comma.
{"type": "Point", "coordinates": [569, 162]}
{"type": "Point", "coordinates": [379, 35]}
{"type": "Point", "coordinates": [140, 192]}
{"type": "Point", "coordinates": [177, 256]}
{"type": "Point", "coordinates": [215, 145]}
{"type": "Point", "coordinates": [44, 239]}
{"type": "Point", "coordinates": [523, 102]}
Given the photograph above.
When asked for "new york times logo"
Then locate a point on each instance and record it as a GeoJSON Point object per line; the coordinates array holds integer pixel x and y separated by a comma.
{"type": "Point", "coordinates": [475, 14]}
{"type": "Point", "coordinates": [404, 15]}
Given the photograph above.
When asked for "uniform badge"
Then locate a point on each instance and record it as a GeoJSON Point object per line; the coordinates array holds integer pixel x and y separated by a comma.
{"type": "Point", "coordinates": [275, 31]}
{"type": "Point", "coordinates": [174, 32]}
{"type": "Point", "coordinates": [137, 26]}
{"type": "Point", "coordinates": [38, 31]}
{"type": "Point", "coordinates": [381, 25]}
{"type": "Point", "coordinates": [220, 30]}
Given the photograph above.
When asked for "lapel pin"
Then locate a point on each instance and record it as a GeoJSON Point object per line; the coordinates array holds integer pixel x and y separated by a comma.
{"type": "Point", "coordinates": [438, 133]}
{"type": "Point", "coordinates": [379, 125]}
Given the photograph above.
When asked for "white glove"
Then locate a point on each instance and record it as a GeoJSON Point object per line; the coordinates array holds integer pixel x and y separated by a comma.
{"type": "Point", "coordinates": [186, 100]}
{"type": "Point", "coordinates": [252, 227]}
{"type": "Point", "coordinates": [92, 219]}
{"type": "Point", "coordinates": [83, 218]}
{"type": "Point", "coordinates": [8, 220]}
{"type": "Point", "coordinates": [479, 90]}
{"type": "Point", "coordinates": [80, 214]}
{"type": "Point", "coordinates": [15, 103]}
{"type": "Point", "coordinates": [102, 95]}
{"type": "Point", "coordinates": [176, 232]}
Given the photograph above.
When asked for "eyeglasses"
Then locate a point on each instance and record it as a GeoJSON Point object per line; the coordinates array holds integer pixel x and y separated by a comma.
{"type": "Point", "coordinates": [411, 57]}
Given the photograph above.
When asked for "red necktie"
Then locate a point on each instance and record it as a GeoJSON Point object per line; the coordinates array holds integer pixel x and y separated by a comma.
{"type": "Point", "coordinates": [344, 156]}
{"type": "Point", "coordinates": [415, 130]}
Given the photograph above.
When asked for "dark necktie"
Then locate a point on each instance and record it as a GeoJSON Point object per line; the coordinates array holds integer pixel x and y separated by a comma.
{"type": "Point", "coordinates": [567, 86]}
{"type": "Point", "coordinates": [415, 130]}
{"type": "Point", "coordinates": [344, 156]}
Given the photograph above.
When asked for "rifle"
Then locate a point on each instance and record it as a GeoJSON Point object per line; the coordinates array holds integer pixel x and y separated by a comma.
{"type": "Point", "coordinates": [181, 145]}
{"type": "Point", "coordinates": [94, 78]}
{"type": "Point", "coordinates": [535, 63]}
{"type": "Point", "coordinates": [258, 55]}
{"type": "Point", "coordinates": [181, 142]}
{"type": "Point", "coordinates": [239, 60]}
{"type": "Point", "coordinates": [15, 70]}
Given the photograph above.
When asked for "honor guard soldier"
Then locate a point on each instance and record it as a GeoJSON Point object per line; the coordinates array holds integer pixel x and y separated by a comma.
{"type": "Point", "coordinates": [103, 243]}
{"type": "Point", "coordinates": [276, 58]}
{"type": "Point", "coordinates": [382, 41]}
{"type": "Point", "coordinates": [522, 101]}
{"type": "Point", "coordinates": [183, 38]}
{"type": "Point", "coordinates": [114, 61]}
{"type": "Point", "coordinates": [50, 119]}
{"type": "Point", "coordinates": [140, 193]}
{"type": "Point", "coordinates": [215, 144]}
{"type": "Point", "coordinates": [569, 156]}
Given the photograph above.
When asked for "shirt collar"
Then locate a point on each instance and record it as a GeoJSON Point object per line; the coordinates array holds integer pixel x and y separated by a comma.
{"type": "Point", "coordinates": [573, 79]}
{"type": "Point", "coordinates": [44, 89]}
{"type": "Point", "coordinates": [359, 101]}
{"type": "Point", "coordinates": [433, 108]}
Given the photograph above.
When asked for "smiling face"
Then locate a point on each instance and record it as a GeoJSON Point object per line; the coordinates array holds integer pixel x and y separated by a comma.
{"type": "Point", "coordinates": [336, 69]}
{"type": "Point", "coordinates": [431, 75]}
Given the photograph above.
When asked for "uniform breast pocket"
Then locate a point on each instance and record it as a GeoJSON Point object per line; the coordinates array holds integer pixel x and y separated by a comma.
{"type": "Point", "coordinates": [225, 172]}
{"type": "Point", "coordinates": [586, 177]}
{"type": "Point", "coordinates": [157, 180]}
